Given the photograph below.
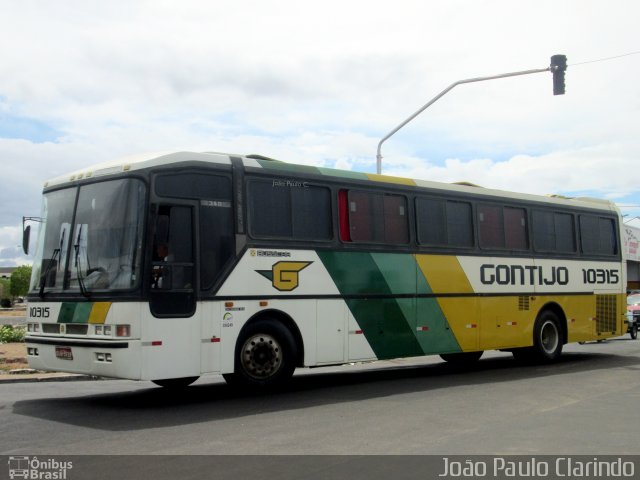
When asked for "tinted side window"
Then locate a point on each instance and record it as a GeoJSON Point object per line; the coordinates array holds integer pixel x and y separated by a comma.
{"type": "Point", "coordinates": [490, 226]}
{"type": "Point", "coordinates": [378, 218]}
{"type": "Point", "coordinates": [597, 235]}
{"type": "Point", "coordinates": [460, 224]}
{"type": "Point", "coordinates": [395, 219]}
{"type": "Point", "coordinates": [311, 215]}
{"type": "Point", "coordinates": [502, 227]}
{"type": "Point", "coordinates": [270, 209]}
{"type": "Point", "coordinates": [193, 185]}
{"type": "Point", "coordinates": [565, 232]}
{"type": "Point", "coordinates": [515, 228]}
{"type": "Point", "coordinates": [297, 211]}
{"type": "Point", "coordinates": [553, 232]}
{"type": "Point", "coordinates": [431, 221]}
{"type": "Point", "coordinates": [217, 242]}
{"type": "Point", "coordinates": [443, 222]}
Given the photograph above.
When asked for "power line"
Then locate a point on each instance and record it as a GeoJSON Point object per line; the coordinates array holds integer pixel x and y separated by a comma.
{"type": "Point", "coordinates": [606, 59]}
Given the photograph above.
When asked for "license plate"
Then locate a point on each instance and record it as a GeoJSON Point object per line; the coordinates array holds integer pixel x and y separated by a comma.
{"type": "Point", "coordinates": [64, 353]}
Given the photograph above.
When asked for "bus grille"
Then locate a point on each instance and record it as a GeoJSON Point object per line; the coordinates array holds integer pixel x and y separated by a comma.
{"type": "Point", "coordinates": [606, 313]}
{"type": "Point", "coordinates": [523, 303]}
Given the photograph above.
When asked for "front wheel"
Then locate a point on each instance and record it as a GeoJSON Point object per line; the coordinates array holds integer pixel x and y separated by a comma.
{"type": "Point", "coordinates": [265, 355]}
{"type": "Point", "coordinates": [634, 331]}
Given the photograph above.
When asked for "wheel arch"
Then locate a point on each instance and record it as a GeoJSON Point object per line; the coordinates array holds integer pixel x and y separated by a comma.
{"type": "Point", "coordinates": [559, 312]}
{"type": "Point", "coordinates": [287, 321]}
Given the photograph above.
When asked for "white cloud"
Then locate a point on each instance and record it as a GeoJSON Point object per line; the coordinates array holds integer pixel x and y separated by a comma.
{"type": "Point", "coordinates": [601, 171]}
{"type": "Point", "coordinates": [11, 253]}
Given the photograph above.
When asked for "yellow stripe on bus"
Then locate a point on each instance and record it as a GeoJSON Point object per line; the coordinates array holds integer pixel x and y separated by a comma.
{"type": "Point", "coordinates": [99, 312]}
{"type": "Point", "coordinates": [444, 274]}
{"type": "Point", "coordinates": [389, 179]}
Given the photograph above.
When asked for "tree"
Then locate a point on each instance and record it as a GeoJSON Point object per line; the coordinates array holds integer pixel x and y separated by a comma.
{"type": "Point", "coordinates": [5, 286]}
{"type": "Point", "coordinates": [20, 279]}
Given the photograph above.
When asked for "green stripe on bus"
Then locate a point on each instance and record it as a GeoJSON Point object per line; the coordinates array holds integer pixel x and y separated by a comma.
{"type": "Point", "coordinates": [424, 315]}
{"type": "Point", "coordinates": [73, 312]}
{"type": "Point", "coordinates": [288, 167]}
{"type": "Point", "coordinates": [343, 173]}
{"type": "Point", "coordinates": [394, 327]}
{"type": "Point", "coordinates": [382, 320]}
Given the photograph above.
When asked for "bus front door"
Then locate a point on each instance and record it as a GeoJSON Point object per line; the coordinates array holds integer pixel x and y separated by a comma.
{"type": "Point", "coordinates": [173, 326]}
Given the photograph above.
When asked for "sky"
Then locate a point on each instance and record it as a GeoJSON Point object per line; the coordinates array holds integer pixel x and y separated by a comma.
{"type": "Point", "coordinates": [320, 83]}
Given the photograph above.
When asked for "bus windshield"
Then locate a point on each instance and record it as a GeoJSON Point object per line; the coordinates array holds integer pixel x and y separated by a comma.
{"type": "Point", "coordinates": [90, 239]}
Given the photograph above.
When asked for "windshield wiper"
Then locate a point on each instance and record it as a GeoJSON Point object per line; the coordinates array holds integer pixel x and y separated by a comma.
{"type": "Point", "coordinates": [43, 277]}
{"type": "Point", "coordinates": [56, 253]}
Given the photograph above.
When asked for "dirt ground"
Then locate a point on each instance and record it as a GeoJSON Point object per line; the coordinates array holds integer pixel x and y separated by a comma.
{"type": "Point", "coordinates": [13, 356]}
{"type": "Point", "coordinates": [17, 312]}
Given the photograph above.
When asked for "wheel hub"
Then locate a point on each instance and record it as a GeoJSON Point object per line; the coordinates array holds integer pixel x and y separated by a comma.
{"type": "Point", "coordinates": [261, 356]}
{"type": "Point", "coordinates": [549, 337]}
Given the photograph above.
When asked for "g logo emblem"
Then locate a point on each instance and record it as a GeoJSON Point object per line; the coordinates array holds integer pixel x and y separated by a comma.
{"type": "Point", "coordinates": [285, 276]}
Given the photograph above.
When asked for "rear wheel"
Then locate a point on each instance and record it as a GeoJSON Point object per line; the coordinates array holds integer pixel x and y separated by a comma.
{"type": "Point", "coordinates": [634, 331]}
{"type": "Point", "coordinates": [547, 340]}
{"type": "Point", "coordinates": [265, 355]}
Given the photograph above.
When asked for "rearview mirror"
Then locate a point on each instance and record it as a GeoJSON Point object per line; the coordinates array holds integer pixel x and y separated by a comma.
{"type": "Point", "coordinates": [26, 234]}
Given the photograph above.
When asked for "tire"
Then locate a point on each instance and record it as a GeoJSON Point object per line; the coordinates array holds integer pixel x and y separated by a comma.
{"type": "Point", "coordinates": [634, 332]}
{"type": "Point", "coordinates": [175, 383]}
{"type": "Point", "coordinates": [461, 357]}
{"type": "Point", "coordinates": [547, 337]}
{"type": "Point", "coordinates": [547, 341]}
{"type": "Point", "coordinates": [265, 356]}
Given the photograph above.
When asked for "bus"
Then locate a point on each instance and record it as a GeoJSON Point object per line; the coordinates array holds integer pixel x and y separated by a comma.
{"type": "Point", "coordinates": [166, 267]}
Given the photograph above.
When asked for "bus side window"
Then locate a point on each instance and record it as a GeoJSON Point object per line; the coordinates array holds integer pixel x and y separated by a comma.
{"type": "Point", "coordinates": [215, 210]}
{"type": "Point", "coordinates": [377, 218]}
{"type": "Point", "coordinates": [216, 240]}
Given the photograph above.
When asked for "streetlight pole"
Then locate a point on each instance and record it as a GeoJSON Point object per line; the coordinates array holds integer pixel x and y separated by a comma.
{"type": "Point", "coordinates": [558, 66]}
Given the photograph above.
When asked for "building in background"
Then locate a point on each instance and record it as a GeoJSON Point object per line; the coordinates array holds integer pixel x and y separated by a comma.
{"type": "Point", "coordinates": [632, 252]}
{"type": "Point", "coordinates": [5, 272]}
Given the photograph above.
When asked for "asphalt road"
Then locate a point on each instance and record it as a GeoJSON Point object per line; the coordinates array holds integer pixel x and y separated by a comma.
{"type": "Point", "coordinates": [585, 404]}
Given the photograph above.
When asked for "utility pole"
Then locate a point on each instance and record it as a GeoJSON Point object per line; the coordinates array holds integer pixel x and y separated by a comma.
{"type": "Point", "coordinates": [558, 67]}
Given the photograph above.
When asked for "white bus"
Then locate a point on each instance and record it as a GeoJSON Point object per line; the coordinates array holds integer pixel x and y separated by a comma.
{"type": "Point", "coordinates": [167, 267]}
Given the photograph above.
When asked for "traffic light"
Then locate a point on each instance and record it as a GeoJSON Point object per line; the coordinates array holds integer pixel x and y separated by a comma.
{"type": "Point", "coordinates": [558, 67]}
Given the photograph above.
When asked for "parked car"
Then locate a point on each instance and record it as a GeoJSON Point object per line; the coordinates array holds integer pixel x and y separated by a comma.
{"type": "Point", "coordinates": [633, 315]}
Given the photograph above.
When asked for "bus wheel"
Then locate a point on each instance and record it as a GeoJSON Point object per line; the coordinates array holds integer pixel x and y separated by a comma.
{"type": "Point", "coordinates": [461, 357]}
{"type": "Point", "coordinates": [547, 337]}
{"type": "Point", "coordinates": [265, 355]}
{"type": "Point", "coordinates": [175, 382]}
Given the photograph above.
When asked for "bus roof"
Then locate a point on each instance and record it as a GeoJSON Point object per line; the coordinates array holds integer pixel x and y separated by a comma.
{"type": "Point", "coordinates": [157, 159]}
